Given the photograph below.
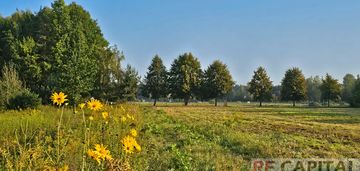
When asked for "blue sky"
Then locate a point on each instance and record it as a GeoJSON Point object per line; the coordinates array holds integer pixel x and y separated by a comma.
{"type": "Point", "coordinates": [319, 36]}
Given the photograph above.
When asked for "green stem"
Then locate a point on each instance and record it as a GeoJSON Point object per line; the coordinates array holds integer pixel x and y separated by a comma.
{"type": "Point", "coordinates": [58, 137]}
{"type": "Point", "coordinates": [85, 143]}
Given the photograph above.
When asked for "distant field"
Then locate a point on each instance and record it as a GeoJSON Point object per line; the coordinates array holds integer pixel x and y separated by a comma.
{"type": "Point", "coordinates": [228, 137]}
{"type": "Point", "coordinates": [200, 136]}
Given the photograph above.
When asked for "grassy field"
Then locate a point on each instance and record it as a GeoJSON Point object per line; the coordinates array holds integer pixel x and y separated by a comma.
{"type": "Point", "coordinates": [197, 137]}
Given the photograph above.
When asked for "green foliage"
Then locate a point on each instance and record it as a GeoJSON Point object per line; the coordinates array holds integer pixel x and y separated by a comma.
{"type": "Point", "coordinates": [293, 86]}
{"type": "Point", "coordinates": [217, 81]}
{"type": "Point", "coordinates": [240, 93]}
{"type": "Point", "coordinates": [130, 84]}
{"type": "Point", "coordinates": [60, 48]}
{"type": "Point", "coordinates": [12, 93]}
{"type": "Point", "coordinates": [185, 77]}
{"type": "Point", "coordinates": [260, 85]}
{"type": "Point", "coordinates": [110, 75]}
{"type": "Point", "coordinates": [10, 85]}
{"type": "Point", "coordinates": [24, 100]}
{"type": "Point", "coordinates": [75, 68]}
{"type": "Point", "coordinates": [155, 83]}
{"type": "Point", "coordinates": [28, 63]}
{"type": "Point", "coordinates": [349, 82]}
{"type": "Point", "coordinates": [313, 88]}
{"type": "Point", "coordinates": [330, 89]}
{"type": "Point", "coordinates": [355, 94]}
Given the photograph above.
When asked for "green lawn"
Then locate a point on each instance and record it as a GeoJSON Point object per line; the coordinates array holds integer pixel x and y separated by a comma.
{"type": "Point", "coordinates": [197, 137]}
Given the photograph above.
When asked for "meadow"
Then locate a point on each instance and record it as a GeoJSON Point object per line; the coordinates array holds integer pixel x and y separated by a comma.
{"type": "Point", "coordinates": [175, 137]}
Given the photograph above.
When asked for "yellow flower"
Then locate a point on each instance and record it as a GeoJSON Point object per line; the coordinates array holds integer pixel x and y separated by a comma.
{"type": "Point", "coordinates": [58, 98]}
{"type": "Point", "coordinates": [94, 104]}
{"type": "Point", "coordinates": [94, 155]}
{"type": "Point", "coordinates": [133, 132]}
{"type": "Point", "coordinates": [81, 105]}
{"type": "Point", "coordinates": [103, 152]}
{"type": "Point", "coordinates": [91, 118]}
{"type": "Point", "coordinates": [130, 144]}
{"type": "Point", "coordinates": [100, 153]}
{"type": "Point", "coordinates": [105, 115]}
{"type": "Point", "coordinates": [123, 119]}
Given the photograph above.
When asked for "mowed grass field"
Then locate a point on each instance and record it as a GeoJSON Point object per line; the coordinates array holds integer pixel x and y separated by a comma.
{"type": "Point", "coordinates": [196, 137]}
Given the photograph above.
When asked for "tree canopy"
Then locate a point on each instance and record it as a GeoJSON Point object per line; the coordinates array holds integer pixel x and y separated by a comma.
{"type": "Point", "coordinates": [349, 82]}
{"type": "Point", "coordinates": [293, 86]}
{"type": "Point", "coordinates": [217, 80]}
{"type": "Point", "coordinates": [155, 82]}
{"type": "Point", "coordinates": [313, 88]}
{"type": "Point", "coordinates": [260, 85]}
{"type": "Point", "coordinates": [60, 48]}
{"type": "Point", "coordinates": [355, 94]}
{"type": "Point", "coordinates": [330, 89]}
{"type": "Point", "coordinates": [185, 77]}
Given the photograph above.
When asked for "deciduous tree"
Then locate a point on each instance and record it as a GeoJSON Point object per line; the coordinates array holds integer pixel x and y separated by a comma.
{"type": "Point", "coordinates": [330, 89]}
{"type": "Point", "coordinates": [355, 97]}
{"type": "Point", "coordinates": [260, 85]}
{"type": "Point", "coordinates": [349, 82]}
{"type": "Point", "coordinates": [184, 77]}
{"type": "Point", "coordinates": [313, 88]}
{"type": "Point", "coordinates": [293, 86]}
{"type": "Point", "coordinates": [218, 80]}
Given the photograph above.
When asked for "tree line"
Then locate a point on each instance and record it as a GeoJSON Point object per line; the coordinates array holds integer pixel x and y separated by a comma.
{"type": "Point", "coordinates": [61, 48]}
{"type": "Point", "coordinates": [186, 80]}
{"type": "Point", "coordinates": [315, 90]}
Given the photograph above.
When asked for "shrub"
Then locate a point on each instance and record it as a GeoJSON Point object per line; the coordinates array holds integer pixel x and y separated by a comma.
{"type": "Point", "coordinates": [24, 100]}
{"type": "Point", "coordinates": [10, 84]}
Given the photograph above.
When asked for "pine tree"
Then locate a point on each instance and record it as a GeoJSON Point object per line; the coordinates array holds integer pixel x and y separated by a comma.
{"type": "Point", "coordinates": [155, 83]}
{"type": "Point", "coordinates": [218, 80]}
{"type": "Point", "coordinates": [184, 77]}
{"type": "Point", "coordinates": [293, 86]}
{"type": "Point", "coordinates": [260, 86]}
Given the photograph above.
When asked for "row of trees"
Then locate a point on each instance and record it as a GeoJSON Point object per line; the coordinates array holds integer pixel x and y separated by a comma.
{"type": "Point", "coordinates": [186, 80]}
{"type": "Point", "coordinates": [294, 87]}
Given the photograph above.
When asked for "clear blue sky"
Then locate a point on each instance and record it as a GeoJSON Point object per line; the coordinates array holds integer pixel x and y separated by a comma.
{"type": "Point", "coordinates": [319, 36]}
